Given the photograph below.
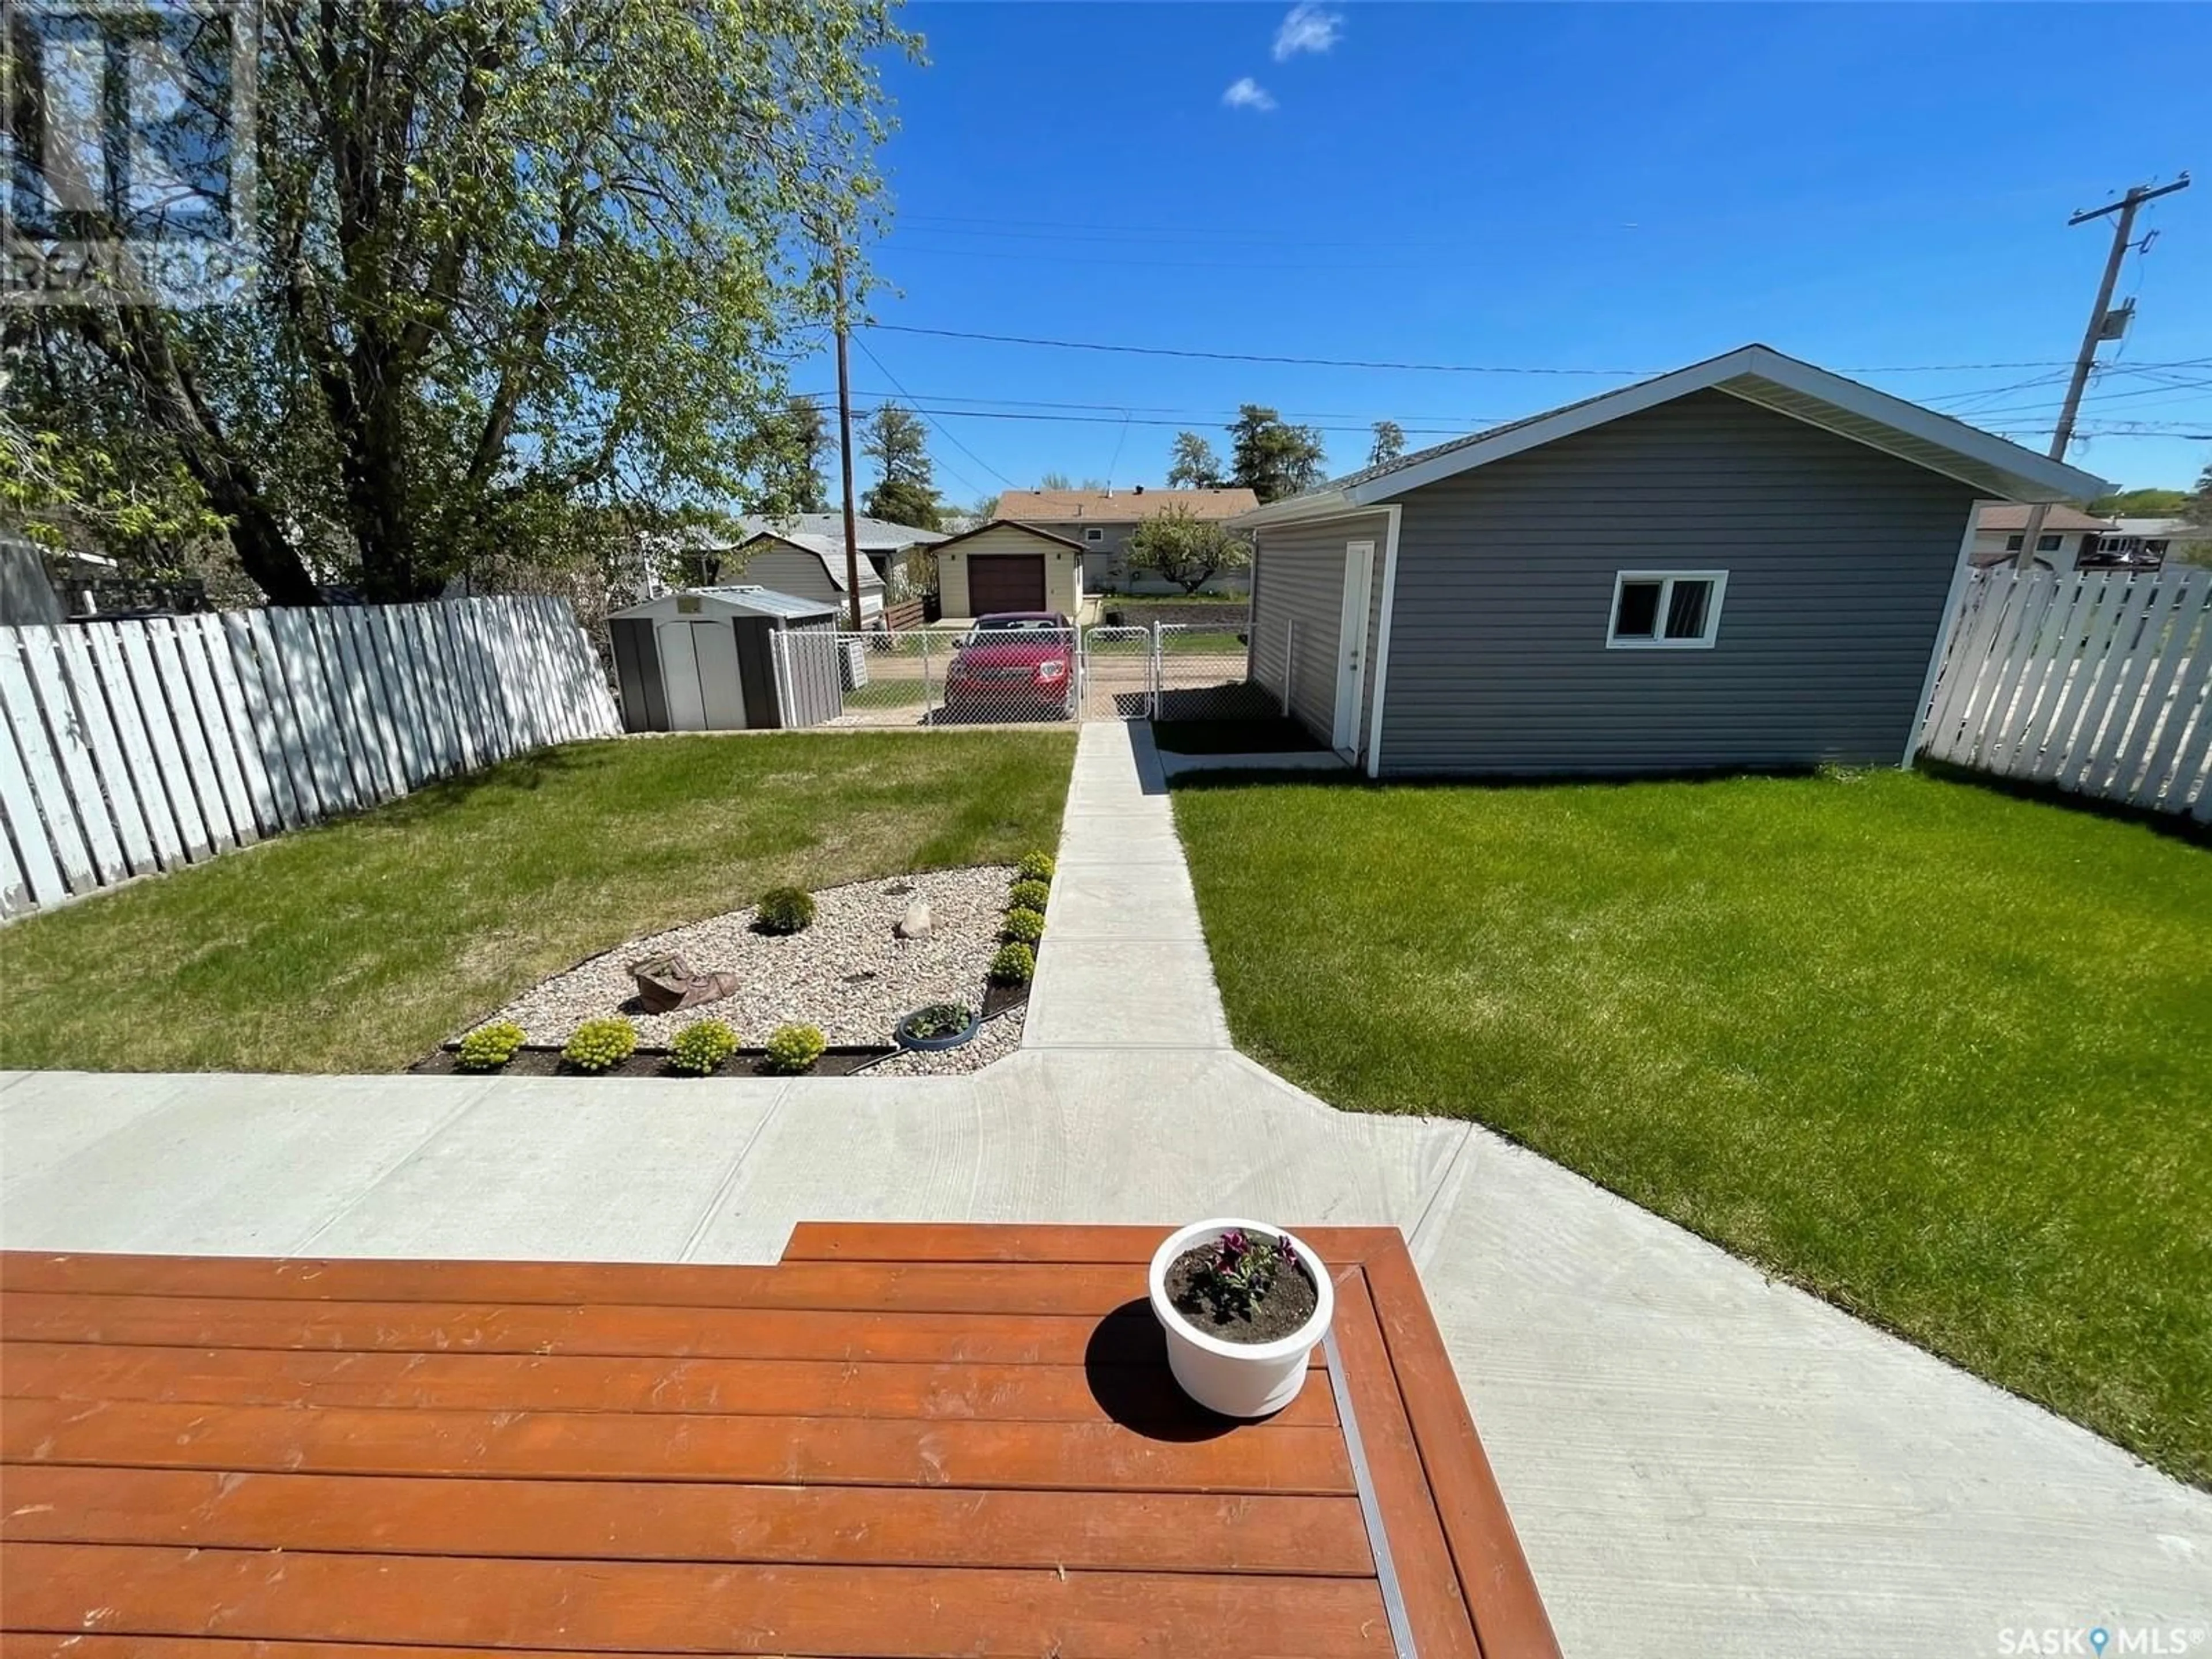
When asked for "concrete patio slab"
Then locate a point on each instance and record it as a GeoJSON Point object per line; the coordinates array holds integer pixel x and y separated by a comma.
{"type": "Point", "coordinates": [1732, 1466]}
{"type": "Point", "coordinates": [523, 1172]}
{"type": "Point", "coordinates": [252, 1164]}
{"type": "Point", "coordinates": [1097, 1137]}
{"type": "Point", "coordinates": [67, 1112]}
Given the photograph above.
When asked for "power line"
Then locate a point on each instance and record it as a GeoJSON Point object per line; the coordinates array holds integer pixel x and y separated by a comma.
{"type": "Point", "coordinates": [1404, 367]}
{"type": "Point", "coordinates": [974, 486]}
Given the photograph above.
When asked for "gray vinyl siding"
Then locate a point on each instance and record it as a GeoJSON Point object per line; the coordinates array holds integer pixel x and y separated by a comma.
{"type": "Point", "coordinates": [1839, 559]}
{"type": "Point", "coordinates": [1299, 579]}
{"type": "Point", "coordinates": [795, 570]}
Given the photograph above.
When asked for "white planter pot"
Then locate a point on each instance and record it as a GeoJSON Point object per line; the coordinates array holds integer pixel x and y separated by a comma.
{"type": "Point", "coordinates": [1239, 1379]}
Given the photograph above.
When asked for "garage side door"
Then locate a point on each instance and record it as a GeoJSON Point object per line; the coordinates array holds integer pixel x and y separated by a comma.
{"type": "Point", "coordinates": [1005, 581]}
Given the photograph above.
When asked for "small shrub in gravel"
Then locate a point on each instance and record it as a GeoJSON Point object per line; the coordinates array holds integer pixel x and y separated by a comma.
{"type": "Point", "coordinates": [795, 1048]}
{"type": "Point", "coordinates": [784, 910]}
{"type": "Point", "coordinates": [599, 1044]}
{"type": "Point", "coordinates": [1038, 867]}
{"type": "Point", "coordinates": [1023, 927]}
{"type": "Point", "coordinates": [1013, 965]}
{"type": "Point", "coordinates": [490, 1047]}
{"type": "Point", "coordinates": [700, 1047]}
{"type": "Point", "coordinates": [1028, 895]}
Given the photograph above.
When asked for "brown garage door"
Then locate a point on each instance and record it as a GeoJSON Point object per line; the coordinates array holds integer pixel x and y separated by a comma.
{"type": "Point", "coordinates": [1005, 581]}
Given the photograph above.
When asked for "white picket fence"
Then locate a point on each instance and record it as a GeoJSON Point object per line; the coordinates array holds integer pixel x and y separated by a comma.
{"type": "Point", "coordinates": [130, 747]}
{"type": "Point", "coordinates": [2092, 681]}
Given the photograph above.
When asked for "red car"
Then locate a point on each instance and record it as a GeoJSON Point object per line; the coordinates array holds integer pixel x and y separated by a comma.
{"type": "Point", "coordinates": [1017, 665]}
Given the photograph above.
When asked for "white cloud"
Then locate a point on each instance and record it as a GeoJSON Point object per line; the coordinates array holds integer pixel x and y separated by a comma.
{"type": "Point", "coordinates": [1308, 28]}
{"type": "Point", "coordinates": [1248, 93]}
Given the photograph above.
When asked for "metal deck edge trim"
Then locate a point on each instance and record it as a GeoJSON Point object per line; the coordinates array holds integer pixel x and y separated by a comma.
{"type": "Point", "coordinates": [1371, 1507]}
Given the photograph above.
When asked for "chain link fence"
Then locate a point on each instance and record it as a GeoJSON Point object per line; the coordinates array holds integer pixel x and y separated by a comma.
{"type": "Point", "coordinates": [1037, 673]}
{"type": "Point", "coordinates": [1205, 673]}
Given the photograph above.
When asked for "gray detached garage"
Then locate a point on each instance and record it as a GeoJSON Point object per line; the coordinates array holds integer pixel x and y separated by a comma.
{"type": "Point", "coordinates": [703, 660]}
{"type": "Point", "coordinates": [1748, 562]}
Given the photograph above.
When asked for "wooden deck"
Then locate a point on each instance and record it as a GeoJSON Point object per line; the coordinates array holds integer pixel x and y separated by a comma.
{"type": "Point", "coordinates": [900, 1440]}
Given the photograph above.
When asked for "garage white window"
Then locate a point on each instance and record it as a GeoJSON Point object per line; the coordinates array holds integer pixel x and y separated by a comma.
{"type": "Point", "coordinates": [1666, 610]}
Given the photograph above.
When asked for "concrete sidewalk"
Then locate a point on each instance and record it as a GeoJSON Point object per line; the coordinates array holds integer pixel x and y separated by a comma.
{"type": "Point", "coordinates": [1124, 963]}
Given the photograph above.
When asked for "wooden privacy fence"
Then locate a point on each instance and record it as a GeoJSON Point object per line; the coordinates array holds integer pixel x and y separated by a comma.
{"type": "Point", "coordinates": [130, 747]}
{"type": "Point", "coordinates": [2093, 681]}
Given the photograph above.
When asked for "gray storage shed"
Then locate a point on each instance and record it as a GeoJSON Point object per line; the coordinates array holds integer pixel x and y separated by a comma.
{"type": "Point", "coordinates": [700, 660]}
{"type": "Point", "coordinates": [1748, 563]}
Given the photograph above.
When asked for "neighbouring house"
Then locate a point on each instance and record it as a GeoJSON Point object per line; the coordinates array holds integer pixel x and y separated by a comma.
{"type": "Point", "coordinates": [809, 566]}
{"type": "Point", "coordinates": [1102, 520]}
{"type": "Point", "coordinates": [2068, 538]}
{"type": "Point", "coordinates": [1003, 566]}
{"type": "Point", "coordinates": [878, 541]}
{"type": "Point", "coordinates": [2147, 544]}
{"type": "Point", "coordinates": [1748, 562]}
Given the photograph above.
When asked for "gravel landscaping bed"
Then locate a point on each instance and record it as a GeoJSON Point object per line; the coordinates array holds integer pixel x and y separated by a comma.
{"type": "Point", "coordinates": [846, 973]}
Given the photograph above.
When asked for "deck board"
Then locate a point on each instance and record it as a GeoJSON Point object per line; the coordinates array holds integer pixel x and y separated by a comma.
{"type": "Point", "coordinates": [901, 1441]}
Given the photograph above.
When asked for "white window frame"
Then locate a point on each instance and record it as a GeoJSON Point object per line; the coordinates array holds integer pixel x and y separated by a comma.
{"type": "Point", "coordinates": [1093, 533]}
{"type": "Point", "coordinates": [1667, 578]}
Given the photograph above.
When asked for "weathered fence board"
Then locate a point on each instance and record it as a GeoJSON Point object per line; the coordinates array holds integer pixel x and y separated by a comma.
{"type": "Point", "coordinates": [131, 747]}
{"type": "Point", "coordinates": [2095, 681]}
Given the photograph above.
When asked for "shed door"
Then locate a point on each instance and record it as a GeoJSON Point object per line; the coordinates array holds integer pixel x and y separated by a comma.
{"type": "Point", "coordinates": [721, 693]}
{"type": "Point", "coordinates": [679, 668]}
{"type": "Point", "coordinates": [1005, 582]}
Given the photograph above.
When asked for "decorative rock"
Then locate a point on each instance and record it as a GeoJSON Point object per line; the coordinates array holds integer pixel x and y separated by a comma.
{"type": "Point", "coordinates": [914, 924]}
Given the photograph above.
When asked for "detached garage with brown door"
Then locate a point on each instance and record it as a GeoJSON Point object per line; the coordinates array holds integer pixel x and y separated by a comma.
{"type": "Point", "coordinates": [1004, 566]}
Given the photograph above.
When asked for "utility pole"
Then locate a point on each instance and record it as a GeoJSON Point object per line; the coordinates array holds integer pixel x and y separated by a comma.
{"type": "Point", "coordinates": [845, 448]}
{"type": "Point", "coordinates": [2101, 319]}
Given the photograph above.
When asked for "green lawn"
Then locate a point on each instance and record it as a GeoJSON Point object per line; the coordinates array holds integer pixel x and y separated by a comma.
{"type": "Point", "coordinates": [361, 945]}
{"type": "Point", "coordinates": [1942, 1056]}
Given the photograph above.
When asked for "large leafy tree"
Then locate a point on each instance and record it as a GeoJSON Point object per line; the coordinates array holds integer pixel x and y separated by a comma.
{"type": "Point", "coordinates": [1272, 458]}
{"type": "Point", "coordinates": [531, 269]}
{"type": "Point", "coordinates": [791, 477]}
{"type": "Point", "coordinates": [905, 490]}
{"type": "Point", "coordinates": [1389, 443]}
{"type": "Point", "coordinates": [1195, 466]}
{"type": "Point", "coordinates": [1186, 550]}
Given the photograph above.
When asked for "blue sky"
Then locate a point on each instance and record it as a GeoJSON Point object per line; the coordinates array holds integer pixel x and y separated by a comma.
{"type": "Point", "coordinates": [1875, 188]}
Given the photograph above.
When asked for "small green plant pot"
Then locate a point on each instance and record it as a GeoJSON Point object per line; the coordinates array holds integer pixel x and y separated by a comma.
{"type": "Point", "coordinates": [909, 1038]}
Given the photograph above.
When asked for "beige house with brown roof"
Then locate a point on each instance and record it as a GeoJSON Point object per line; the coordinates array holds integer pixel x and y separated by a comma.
{"type": "Point", "coordinates": [1101, 521]}
{"type": "Point", "coordinates": [2068, 533]}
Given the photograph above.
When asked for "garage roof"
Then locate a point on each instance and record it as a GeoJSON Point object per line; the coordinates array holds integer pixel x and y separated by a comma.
{"type": "Point", "coordinates": [1759, 374]}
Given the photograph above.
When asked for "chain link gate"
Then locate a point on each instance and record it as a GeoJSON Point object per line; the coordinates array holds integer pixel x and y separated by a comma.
{"type": "Point", "coordinates": [1120, 672]}
{"type": "Point", "coordinates": [932, 677]}
{"type": "Point", "coordinates": [1204, 673]}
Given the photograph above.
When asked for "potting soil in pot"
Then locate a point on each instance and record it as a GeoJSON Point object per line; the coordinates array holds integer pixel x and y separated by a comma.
{"type": "Point", "coordinates": [1289, 1303]}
